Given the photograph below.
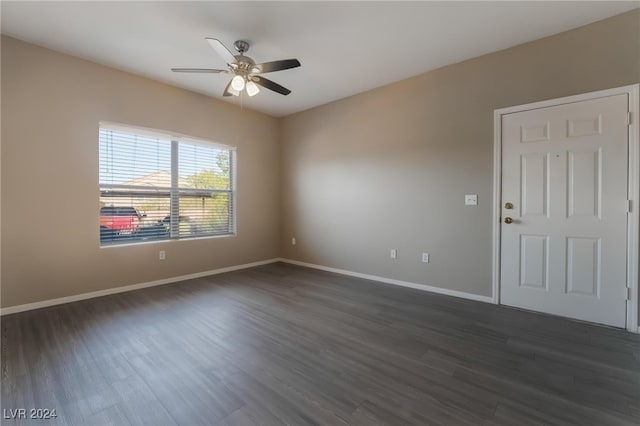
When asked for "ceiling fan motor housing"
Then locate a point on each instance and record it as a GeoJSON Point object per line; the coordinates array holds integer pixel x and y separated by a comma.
{"type": "Point", "coordinates": [244, 64]}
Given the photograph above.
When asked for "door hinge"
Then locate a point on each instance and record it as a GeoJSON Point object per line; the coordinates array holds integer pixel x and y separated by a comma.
{"type": "Point", "coordinates": [629, 118]}
{"type": "Point", "coordinates": [628, 293]}
{"type": "Point", "coordinates": [629, 206]}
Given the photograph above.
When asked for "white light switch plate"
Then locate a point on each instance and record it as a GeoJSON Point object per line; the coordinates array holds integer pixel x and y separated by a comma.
{"type": "Point", "coordinates": [471, 200]}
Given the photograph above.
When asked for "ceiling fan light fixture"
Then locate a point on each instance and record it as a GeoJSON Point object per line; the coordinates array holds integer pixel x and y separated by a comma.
{"type": "Point", "coordinates": [252, 88]}
{"type": "Point", "coordinates": [244, 70]}
{"type": "Point", "coordinates": [238, 83]}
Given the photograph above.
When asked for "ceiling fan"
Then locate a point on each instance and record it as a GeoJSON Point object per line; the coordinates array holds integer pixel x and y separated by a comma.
{"type": "Point", "coordinates": [245, 71]}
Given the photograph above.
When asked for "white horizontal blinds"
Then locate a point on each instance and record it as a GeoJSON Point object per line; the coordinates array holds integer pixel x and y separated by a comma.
{"type": "Point", "coordinates": [153, 187]}
{"type": "Point", "coordinates": [135, 186]}
{"type": "Point", "coordinates": [130, 160]}
{"type": "Point", "coordinates": [204, 183]}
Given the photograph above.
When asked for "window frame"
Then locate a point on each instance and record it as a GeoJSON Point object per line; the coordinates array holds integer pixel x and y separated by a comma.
{"type": "Point", "coordinates": [174, 192]}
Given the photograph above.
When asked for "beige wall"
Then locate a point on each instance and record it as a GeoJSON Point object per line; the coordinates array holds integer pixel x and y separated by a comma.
{"type": "Point", "coordinates": [389, 168]}
{"type": "Point", "coordinates": [51, 106]}
{"type": "Point", "coordinates": [350, 180]}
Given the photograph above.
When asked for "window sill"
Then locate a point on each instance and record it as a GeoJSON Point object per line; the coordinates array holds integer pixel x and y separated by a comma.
{"type": "Point", "coordinates": [165, 241]}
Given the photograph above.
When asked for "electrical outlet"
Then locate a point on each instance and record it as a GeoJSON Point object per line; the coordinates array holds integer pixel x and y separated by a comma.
{"type": "Point", "coordinates": [162, 255]}
{"type": "Point", "coordinates": [393, 254]}
{"type": "Point", "coordinates": [471, 200]}
{"type": "Point", "coordinates": [293, 241]}
{"type": "Point", "coordinates": [425, 257]}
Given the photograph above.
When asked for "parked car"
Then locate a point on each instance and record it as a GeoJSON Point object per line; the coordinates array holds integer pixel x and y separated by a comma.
{"type": "Point", "coordinates": [152, 231]}
{"type": "Point", "coordinates": [123, 220]}
{"type": "Point", "coordinates": [185, 224]}
{"type": "Point", "coordinates": [161, 228]}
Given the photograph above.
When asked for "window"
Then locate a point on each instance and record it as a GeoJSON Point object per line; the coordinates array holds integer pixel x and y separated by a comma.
{"type": "Point", "coordinates": [159, 187]}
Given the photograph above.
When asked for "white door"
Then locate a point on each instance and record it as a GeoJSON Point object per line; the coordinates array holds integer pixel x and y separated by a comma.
{"type": "Point", "coordinates": [564, 173]}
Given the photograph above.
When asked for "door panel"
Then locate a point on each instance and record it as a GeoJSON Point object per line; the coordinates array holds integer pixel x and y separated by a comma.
{"type": "Point", "coordinates": [534, 184]}
{"type": "Point", "coordinates": [565, 172]}
{"type": "Point", "coordinates": [534, 261]}
{"type": "Point", "coordinates": [583, 266]}
{"type": "Point", "coordinates": [584, 186]}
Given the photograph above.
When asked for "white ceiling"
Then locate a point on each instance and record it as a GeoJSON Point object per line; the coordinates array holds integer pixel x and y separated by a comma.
{"type": "Point", "coordinates": [344, 47]}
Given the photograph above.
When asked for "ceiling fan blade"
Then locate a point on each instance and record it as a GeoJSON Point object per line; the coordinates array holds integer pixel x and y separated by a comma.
{"type": "Point", "coordinates": [268, 84]}
{"type": "Point", "coordinates": [230, 91]}
{"type": "Point", "coordinates": [221, 50]}
{"type": "Point", "coordinates": [284, 64]}
{"type": "Point", "coordinates": [198, 70]}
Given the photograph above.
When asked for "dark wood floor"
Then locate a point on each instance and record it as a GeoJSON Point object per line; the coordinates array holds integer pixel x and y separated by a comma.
{"type": "Point", "coordinates": [282, 344]}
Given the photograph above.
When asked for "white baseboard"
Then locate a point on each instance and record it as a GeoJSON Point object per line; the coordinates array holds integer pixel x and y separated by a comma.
{"type": "Point", "coordinates": [424, 287]}
{"type": "Point", "coordinates": [106, 292]}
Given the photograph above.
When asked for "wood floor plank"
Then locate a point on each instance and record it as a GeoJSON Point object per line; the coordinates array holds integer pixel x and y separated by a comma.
{"type": "Point", "coordinates": [282, 344]}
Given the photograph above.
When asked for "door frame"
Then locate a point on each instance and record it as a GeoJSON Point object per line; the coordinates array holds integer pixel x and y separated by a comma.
{"type": "Point", "coordinates": [633, 223]}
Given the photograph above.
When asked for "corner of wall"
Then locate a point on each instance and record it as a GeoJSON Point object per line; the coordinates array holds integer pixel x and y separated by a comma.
{"type": "Point", "coordinates": [280, 131]}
